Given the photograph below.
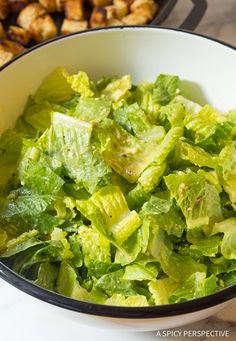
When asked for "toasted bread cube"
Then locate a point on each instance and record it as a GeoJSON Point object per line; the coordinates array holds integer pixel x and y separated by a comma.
{"type": "Point", "coordinates": [2, 31]}
{"type": "Point", "coordinates": [122, 8]}
{"type": "Point", "coordinates": [5, 56]}
{"type": "Point", "coordinates": [110, 12]}
{"type": "Point", "coordinates": [43, 28]}
{"type": "Point", "coordinates": [74, 10]}
{"type": "Point", "coordinates": [114, 22]}
{"type": "Point", "coordinates": [71, 26]}
{"type": "Point", "coordinates": [49, 5]}
{"type": "Point", "coordinates": [29, 14]}
{"type": "Point", "coordinates": [17, 5]}
{"type": "Point", "coordinates": [4, 9]}
{"type": "Point", "coordinates": [98, 17]}
{"type": "Point", "coordinates": [100, 3]}
{"type": "Point", "coordinates": [147, 8]}
{"type": "Point", "coordinates": [60, 5]}
{"type": "Point", "coordinates": [19, 34]}
{"type": "Point", "coordinates": [11, 47]}
{"type": "Point", "coordinates": [135, 19]}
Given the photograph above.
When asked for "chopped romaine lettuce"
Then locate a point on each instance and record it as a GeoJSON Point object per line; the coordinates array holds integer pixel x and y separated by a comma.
{"type": "Point", "coordinates": [119, 194]}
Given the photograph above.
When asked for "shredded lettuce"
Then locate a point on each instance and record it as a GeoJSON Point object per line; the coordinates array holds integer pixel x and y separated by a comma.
{"type": "Point", "coordinates": [119, 194]}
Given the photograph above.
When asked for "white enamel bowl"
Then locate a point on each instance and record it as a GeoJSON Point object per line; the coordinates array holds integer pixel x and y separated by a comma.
{"type": "Point", "coordinates": [209, 68]}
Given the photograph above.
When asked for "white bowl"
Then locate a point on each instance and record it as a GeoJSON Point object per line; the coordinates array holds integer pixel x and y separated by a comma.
{"type": "Point", "coordinates": [209, 68]}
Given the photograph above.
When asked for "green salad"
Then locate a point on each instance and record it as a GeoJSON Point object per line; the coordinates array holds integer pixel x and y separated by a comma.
{"type": "Point", "coordinates": [119, 194]}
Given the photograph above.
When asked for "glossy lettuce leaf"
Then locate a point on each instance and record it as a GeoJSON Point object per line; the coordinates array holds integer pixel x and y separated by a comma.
{"type": "Point", "coordinates": [131, 301]}
{"type": "Point", "coordinates": [209, 129]}
{"type": "Point", "coordinates": [197, 155]}
{"type": "Point", "coordinates": [139, 272]}
{"type": "Point", "coordinates": [54, 88]}
{"type": "Point", "coordinates": [166, 88]}
{"type": "Point", "coordinates": [228, 244]}
{"type": "Point", "coordinates": [123, 152]}
{"type": "Point", "coordinates": [68, 141]}
{"type": "Point", "coordinates": [109, 213]}
{"type": "Point", "coordinates": [198, 200]}
{"type": "Point", "coordinates": [93, 245]}
{"type": "Point", "coordinates": [161, 289]}
{"type": "Point", "coordinates": [118, 89]}
{"type": "Point", "coordinates": [36, 174]}
{"type": "Point", "coordinates": [92, 109]}
{"type": "Point", "coordinates": [174, 113]}
{"type": "Point", "coordinates": [227, 170]}
{"type": "Point", "coordinates": [80, 83]}
{"type": "Point", "coordinates": [98, 269]}
{"type": "Point", "coordinates": [197, 285]}
{"type": "Point", "coordinates": [132, 118]}
{"type": "Point", "coordinates": [47, 275]}
{"type": "Point", "coordinates": [130, 250]}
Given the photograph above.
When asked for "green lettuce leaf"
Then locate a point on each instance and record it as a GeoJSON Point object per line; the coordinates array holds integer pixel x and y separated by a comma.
{"type": "Point", "coordinates": [118, 89]}
{"type": "Point", "coordinates": [131, 301]}
{"type": "Point", "coordinates": [47, 276]}
{"type": "Point", "coordinates": [54, 88]}
{"type": "Point", "coordinates": [139, 272]}
{"type": "Point", "coordinates": [198, 200]}
{"type": "Point", "coordinates": [197, 285]}
{"type": "Point", "coordinates": [228, 244]}
{"type": "Point", "coordinates": [109, 213]}
{"type": "Point", "coordinates": [92, 109]}
{"type": "Point", "coordinates": [166, 88]}
{"type": "Point", "coordinates": [197, 155]}
{"type": "Point", "coordinates": [80, 83]}
{"type": "Point", "coordinates": [161, 289]}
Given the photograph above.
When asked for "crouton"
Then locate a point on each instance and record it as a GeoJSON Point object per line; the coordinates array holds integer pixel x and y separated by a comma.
{"type": "Point", "coordinates": [98, 17]}
{"type": "Point", "coordinates": [74, 10]}
{"type": "Point", "coordinates": [11, 47]}
{"type": "Point", "coordinates": [60, 5]}
{"type": "Point", "coordinates": [114, 22]}
{"type": "Point", "coordinates": [29, 14]}
{"type": "Point", "coordinates": [43, 28]}
{"type": "Point", "coordinates": [110, 12]}
{"type": "Point", "coordinates": [122, 8]}
{"type": "Point", "coordinates": [145, 7]}
{"type": "Point", "coordinates": [100, 3]}
{"type": "Point", "coordinates": [17, 5]}
{"type": "Point", "coordinates": [49, 5]}
{"type": "Point", "coordinates": [4, 9]}
{"type": "Point", "coordinates": [2, 31]}
{"type": "Point", "coordinates": [19, 34]}
{"type": "Point", "coordinates": [135, 19]}
{"type": "Point", "coordinates": [71, 26]}
{"type": "Point", "coordinates": [5, 56]}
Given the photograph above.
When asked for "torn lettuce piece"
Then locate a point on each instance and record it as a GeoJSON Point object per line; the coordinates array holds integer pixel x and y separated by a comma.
{"type": "Point", "coordinates": [198, 200]}
{"type": "Point", "coordinates": [139, 272]}
{"type": "Point", "coordinates": [208, 246]}
{"type": "Point", "coordinates": [59, 235]}
{"type": "Point", "coordinates": [47, 276]}
{"type": "Point", "coordinates": [176, 266]}
{"type": "Point", "coordinates": [109, 213]}
{"type": "Point", "coordinates": [227, 170]}
{"type": "Point", "coordinates": [10, 150]}
{"type": "Point", "coordinates": [68, 141]}
{"type": "Point", "coordinates": [80, 83]}
{"type": "Point", "coordinates": [68, 285]}
{"type": "Point", "coordinates": [123, 152]}
{"type": "Point", "coordinates": [197, 155]}
{"type": "Point", "coordinates": [92, 109]}
{"type": "Point", "coordinates": [131, 301]}
{"type": "Point", "coordinates": [54, 88]}
{"type": "Point", "coordinates": [189, 106]}
{"type": "Point", "coordinates": [174, 112]}
{"type": "Point", "coordinates": [133, 119]}
{"type": "Point", "coordinates": [166, 88]}
{"type": "Point", "coordinates": [197, 285]}
{"type": "Point", "coordinates": [3, 239]}
{"type": "Point", "coordinates": [35, 172]}
{"type": "Point", "coordinates": [118, 89]}
{"type": "Point", "coordinates": [209, 129]}
{"type": "Point", "coordinates": [228, 244]}
{"type": "Point", "coordinates": [113, 283]}
{"type": "Point", "coordinates": [98, 269]}
{"type": "Point", "coordinates": [130, 250]}
{"type": "Point", "coordinates": [146, 183]}
{"type": "Point", "coordinates": [93, 245]}
{"type": "Point", "coordinates": [211, 178]}
{"type": "Point", "coordinates": [161, 289]}
{"type": "Point", "coordinates": [27, 210]}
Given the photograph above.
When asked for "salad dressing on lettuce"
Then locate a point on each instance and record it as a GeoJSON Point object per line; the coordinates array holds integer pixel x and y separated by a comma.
{"type": "Point", "coordinates": [119, 194]}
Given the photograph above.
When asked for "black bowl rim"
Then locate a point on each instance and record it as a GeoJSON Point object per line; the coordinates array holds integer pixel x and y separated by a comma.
{"type": "Point", "coordinates": [104, 310]}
